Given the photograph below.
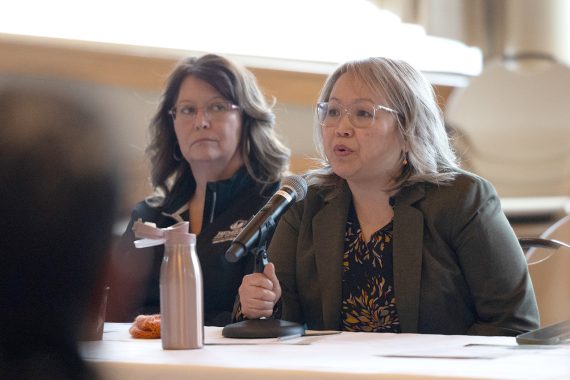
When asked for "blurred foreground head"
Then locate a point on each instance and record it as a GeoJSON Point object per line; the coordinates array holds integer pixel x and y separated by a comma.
{"type": "Point", "coordinates": [58, 197]}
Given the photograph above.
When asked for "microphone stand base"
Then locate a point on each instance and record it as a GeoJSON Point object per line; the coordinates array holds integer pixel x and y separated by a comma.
{"type": "Point", "coordinates": [262, 328]}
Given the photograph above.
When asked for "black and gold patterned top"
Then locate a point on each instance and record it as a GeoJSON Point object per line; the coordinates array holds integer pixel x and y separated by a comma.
{"type": "Point", "coordinates": [368, 299]}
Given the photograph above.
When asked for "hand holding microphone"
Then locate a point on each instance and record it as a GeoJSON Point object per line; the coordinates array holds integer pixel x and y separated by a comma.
{"type": "Point", "coordinates": [259, 292]}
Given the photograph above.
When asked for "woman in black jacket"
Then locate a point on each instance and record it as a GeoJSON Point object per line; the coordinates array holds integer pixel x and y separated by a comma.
{"type": "Point", "coordinates": [215, 161]}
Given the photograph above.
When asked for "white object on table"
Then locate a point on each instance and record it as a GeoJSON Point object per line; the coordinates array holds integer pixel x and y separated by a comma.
{"type": "Point", "coordinates": [346, 355]}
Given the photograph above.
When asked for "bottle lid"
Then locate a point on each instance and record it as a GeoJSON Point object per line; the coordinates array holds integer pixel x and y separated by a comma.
{"type": "Point", "coordinates": [152, 236]}
{"type": "Point", "coordinates": [178, 237]}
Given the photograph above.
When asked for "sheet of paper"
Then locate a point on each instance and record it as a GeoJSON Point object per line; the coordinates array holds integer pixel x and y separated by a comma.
{"type": "Point", "coordinates": [472, 351]}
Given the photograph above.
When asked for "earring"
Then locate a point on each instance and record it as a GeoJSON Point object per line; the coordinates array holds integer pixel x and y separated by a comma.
{"type": "Point", "coordinates": [176, 155]}
{"type": "Point", "coordinates": [247, 146]}
{"type": "Point", "coordinates": [405, 162]}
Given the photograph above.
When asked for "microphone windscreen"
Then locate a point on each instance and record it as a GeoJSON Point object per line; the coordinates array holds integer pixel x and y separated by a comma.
{"type": "Point", "coordinates": [297, 183]}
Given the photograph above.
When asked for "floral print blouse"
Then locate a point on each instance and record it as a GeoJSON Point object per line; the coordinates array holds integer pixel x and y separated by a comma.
{"type": "Point", "coordinates": [368, 299]}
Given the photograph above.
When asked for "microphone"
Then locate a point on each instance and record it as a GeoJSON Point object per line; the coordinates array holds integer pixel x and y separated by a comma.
{"type": "Point", "coordinates": [293, 188]}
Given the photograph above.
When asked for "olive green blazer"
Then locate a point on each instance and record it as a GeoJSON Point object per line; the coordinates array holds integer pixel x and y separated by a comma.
{"type": "Point", "coordinates": [458, 266]}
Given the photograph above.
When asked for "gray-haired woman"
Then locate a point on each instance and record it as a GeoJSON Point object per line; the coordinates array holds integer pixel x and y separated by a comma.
{"type": "Point", "coordinates": [392, 236]}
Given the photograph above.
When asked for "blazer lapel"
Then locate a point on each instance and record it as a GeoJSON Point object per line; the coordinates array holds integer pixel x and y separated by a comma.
{"type": "Point", "coordinates": [408, 242]}
{"type": "Point", "coordinates": [329, 226]}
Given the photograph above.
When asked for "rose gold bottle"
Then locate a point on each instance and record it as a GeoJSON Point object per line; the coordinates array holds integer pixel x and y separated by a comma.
{"type": "Point", "coordinates": [181, 291]}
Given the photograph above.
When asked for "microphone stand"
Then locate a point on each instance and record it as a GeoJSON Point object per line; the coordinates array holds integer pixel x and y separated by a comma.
{"type": "Point", "coordinates": [264, 327]}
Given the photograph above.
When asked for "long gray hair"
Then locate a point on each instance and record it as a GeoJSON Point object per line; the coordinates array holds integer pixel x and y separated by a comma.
{"type": "Point", "coordinates": [430, 155]}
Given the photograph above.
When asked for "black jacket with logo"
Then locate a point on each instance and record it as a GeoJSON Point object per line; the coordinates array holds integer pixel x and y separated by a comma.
{"type": "Point", "coordinates": [229, 204]}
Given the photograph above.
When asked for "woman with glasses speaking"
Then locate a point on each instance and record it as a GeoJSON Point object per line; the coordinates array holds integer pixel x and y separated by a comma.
{"type": "Point", "coordinates": [392, 236]}
{"type": "Point", "coordinates": [215, 161]}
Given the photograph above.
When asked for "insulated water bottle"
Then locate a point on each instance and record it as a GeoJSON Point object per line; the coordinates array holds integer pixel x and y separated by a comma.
{"type": "Point", "coordinates": [181, 289]}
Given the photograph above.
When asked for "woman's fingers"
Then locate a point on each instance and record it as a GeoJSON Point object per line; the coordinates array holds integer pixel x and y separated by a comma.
{"type": "Point", "coordinates": [258, 294]}
{"type": "Point", "coordinates": [257, 308]}
{"type": "Point", "coordinates": [269, 271]}
{"type": "Point", "coordinates": [259, 280]}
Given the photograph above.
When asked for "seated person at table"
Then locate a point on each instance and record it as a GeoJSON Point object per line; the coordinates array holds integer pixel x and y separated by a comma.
{"type": "Point", "coordinates": [392, 236]}
{"type": "Point", "coordinates": [216, 160]}
{"type": "Point", "coordinates": [58, 197]}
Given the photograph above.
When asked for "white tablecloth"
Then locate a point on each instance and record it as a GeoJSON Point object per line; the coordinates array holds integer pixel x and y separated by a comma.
{"type": "Point", "coordinates": [344, 355]}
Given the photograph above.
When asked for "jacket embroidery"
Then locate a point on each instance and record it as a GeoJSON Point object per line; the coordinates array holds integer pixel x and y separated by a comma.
{"type": "Point", "coordinates": [234, 231]}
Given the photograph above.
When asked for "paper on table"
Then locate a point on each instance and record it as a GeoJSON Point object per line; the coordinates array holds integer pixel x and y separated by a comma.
{"type": "Point", "coordinates": [321, 332]}
{"type": "Point", "coordinates": [469, 351]}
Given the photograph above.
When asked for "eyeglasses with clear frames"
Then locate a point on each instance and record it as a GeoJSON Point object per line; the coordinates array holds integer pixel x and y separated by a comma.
{"type": "Point", "coordinates": [361, 114]}
{"type": "Point", "coordinates": [214, 111]}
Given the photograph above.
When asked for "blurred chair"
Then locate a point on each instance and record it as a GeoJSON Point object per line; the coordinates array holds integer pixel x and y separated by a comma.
{"type": "Point", "coordinates": [510, 125]}
{"type": "Point", "coordinates": [549, 265]}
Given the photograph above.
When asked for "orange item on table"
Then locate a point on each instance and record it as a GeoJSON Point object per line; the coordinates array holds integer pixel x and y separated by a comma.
{"type": "Point", "coordinates": [146, 327]}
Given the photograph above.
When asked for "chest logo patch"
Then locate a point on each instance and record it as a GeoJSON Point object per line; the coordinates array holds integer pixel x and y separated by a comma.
{"type": "Point", "coordinates": [230, 235]}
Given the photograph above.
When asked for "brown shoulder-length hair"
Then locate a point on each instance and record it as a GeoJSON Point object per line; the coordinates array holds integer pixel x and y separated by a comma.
{"type": "Point", "coordinates": [265, 157]}
{"type": "Point", "coordinates": [430, 156]}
